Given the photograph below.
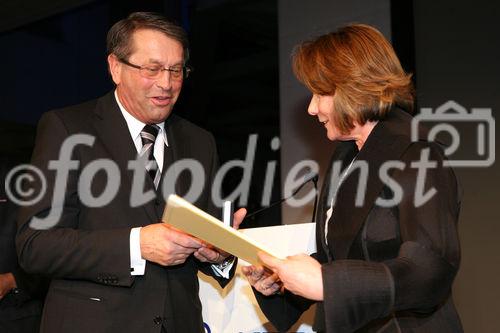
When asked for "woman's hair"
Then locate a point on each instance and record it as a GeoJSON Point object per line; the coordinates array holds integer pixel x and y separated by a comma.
{"type": "Point", "coordinates": [359, 67]}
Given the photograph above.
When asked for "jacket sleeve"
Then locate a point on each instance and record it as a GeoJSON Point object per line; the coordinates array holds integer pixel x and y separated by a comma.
{"type": "Point", "coordinates": [282, 310]}
{"type": "Point", "coordinates": [419, 279]}
{"type": "Point", "coordinates": [65, 250]}
{"type": "Point", "coordinates": [285, 309]}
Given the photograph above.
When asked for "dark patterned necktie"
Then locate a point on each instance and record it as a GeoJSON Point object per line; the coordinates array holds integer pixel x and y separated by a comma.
{"type": "Point", "coordinates": [148, 137]}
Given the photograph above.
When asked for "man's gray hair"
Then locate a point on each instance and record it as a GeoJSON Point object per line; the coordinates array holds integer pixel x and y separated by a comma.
{"type": "Point", "coordinates": [119, 39]}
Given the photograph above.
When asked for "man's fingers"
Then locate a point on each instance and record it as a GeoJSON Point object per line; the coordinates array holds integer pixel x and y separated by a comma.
{"type": "Point", "coordinates": [181, 250]}
{"type": "Point", "coordinates": [198, 256]}
{"type": "Point", "coordinates": [208, 254]}
{"type": "Point", "coordinates": [238, 217]}
{"type": "Point", "coordinates": [184, 239]}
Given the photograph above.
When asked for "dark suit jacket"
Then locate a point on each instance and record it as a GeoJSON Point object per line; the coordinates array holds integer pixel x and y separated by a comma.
{"type": "Point", "coordinates": [20, 310]}
{"type": "Point", "coordinates": [385, 269]}
{"type": "Point", "coordinates": [87, 252]}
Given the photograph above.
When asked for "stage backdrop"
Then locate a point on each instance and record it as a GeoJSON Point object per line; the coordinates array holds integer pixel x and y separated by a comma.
{"type": "Point", "coordinates": [234, 308]}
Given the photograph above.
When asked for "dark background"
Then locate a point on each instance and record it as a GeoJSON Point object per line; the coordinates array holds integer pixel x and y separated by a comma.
{"type": "Point", "coordinates": [55, 58]}
{"type": "Point", "coordinates": [53, 55]}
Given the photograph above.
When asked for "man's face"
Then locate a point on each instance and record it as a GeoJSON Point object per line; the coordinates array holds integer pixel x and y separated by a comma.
{"type": "Point", "coordinates": [148, 100]}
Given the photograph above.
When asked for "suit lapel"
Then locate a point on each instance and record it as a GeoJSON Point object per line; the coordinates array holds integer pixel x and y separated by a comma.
{"type": "Point", "coordinates": [175, 151]}
{"type": "Point", "coordinates": [112, 130]}
{"type": "Point", "coordinates": [387, 142]}
{"type": "Point", "coordinates": [344, 153]}
{"type": "Point", "coordinates": [181, 149]}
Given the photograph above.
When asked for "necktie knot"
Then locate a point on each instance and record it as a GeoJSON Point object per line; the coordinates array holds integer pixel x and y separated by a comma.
{"type": "Point", "coordinates": [149, 133]}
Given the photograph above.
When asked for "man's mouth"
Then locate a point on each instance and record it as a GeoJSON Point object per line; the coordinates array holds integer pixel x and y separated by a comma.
{"type": "Point", "coordinates": [161, 100]}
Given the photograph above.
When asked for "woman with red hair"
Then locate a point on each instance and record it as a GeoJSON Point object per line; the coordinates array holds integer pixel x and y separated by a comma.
{"type": "Point", "coordinates": [387, 244]}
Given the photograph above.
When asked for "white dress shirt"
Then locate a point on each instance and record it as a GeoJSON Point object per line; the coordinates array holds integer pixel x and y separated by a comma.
{"type": "Point", "coordinates": [135, 126]}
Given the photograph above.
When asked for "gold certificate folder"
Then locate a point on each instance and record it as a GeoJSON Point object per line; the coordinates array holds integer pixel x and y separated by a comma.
{"type": "Point", "coordinates": [192, 220]}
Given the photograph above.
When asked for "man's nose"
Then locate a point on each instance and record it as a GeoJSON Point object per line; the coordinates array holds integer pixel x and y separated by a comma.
{"type": "Point", "coordinates": [165, 80]}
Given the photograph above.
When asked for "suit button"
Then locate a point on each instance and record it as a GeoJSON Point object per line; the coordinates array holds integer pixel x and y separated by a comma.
{"type": "Point", "coordinates": [157, 320]}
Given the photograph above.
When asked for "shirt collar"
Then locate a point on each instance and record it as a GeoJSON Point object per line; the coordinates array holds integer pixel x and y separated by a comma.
{"type": "Point", "coordinates": [135, 126]}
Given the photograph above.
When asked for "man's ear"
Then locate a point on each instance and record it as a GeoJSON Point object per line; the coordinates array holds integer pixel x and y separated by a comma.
{"type": "Point", "coordinates": [115, 68]}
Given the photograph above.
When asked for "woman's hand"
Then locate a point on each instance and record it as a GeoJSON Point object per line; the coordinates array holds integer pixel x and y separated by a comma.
{"type": "Point", "coordinates": [300, 274]}
{"type": "Point", "coordinates": [265, 282]}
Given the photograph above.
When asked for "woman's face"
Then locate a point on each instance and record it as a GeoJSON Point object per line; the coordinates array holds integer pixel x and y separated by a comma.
{"type": "Point", "coordinates": [321, 106]}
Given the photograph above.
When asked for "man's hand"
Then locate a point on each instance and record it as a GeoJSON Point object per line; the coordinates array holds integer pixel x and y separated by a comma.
{"type": "Point", "coordinates": [166, 245]}
{"type": "Point", "coordinates": [7, 283]}
{"type": "Point", "coordinates": [213, 255]}
{"type": "Point", "coordinates": [238, 217]}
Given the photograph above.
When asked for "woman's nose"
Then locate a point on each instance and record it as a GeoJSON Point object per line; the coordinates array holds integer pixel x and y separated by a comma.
{"type": "Point", "coordinates": [313, 106]}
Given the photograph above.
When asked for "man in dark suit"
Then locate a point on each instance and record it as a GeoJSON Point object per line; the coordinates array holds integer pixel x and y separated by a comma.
{"type": "Point", "coordinates": [115, 268]}
{"type": "Point", "coordinates": [21, 294]}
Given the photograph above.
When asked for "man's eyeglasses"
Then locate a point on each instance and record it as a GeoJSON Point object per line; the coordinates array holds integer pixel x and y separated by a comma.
{"type": "Point", "coordinates": [155, 71]}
